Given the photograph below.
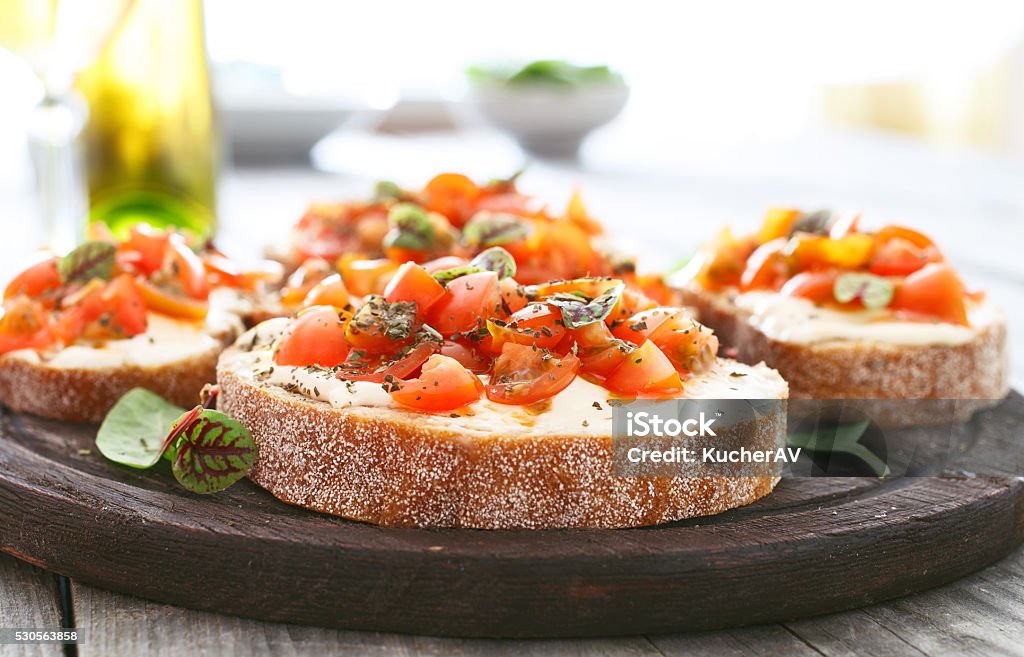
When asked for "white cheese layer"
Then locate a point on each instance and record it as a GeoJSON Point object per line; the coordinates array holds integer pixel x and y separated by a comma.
{"type": "Point", "coordinates": [581, 409]}
{"type": "Point", "coordinates": [795, 320]}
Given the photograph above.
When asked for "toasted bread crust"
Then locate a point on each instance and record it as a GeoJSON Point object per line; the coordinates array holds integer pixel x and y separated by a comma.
{"type": "Point", "coordinates": [976, 372]}
{"type": "Point", "coordinates": [86, 395]}
{"type": "Point", "coordinates": [381, 466]}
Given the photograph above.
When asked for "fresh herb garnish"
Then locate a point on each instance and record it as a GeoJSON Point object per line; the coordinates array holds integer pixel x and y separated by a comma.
{"type": "Point", "coordinates": [494, 229]}
{"type": "Point", "coordinates": [134, 431]}
{"type": "Point", "coordinates": [495, 259]}
{"type": "Point", "coordinates": [385, 190]}
{"type": "Point", "coordinates": [87, 261]}
{"type": "Point", "coordinates": [208, 450]}
{"type": "Point", "coordinates": [578, 312]}
{"type": "Point", "coordinates": [873, 291]}
{"type": "Point", "coordinates": [411, 228]}
{"type": "Point", "coordinates": [212, 451]}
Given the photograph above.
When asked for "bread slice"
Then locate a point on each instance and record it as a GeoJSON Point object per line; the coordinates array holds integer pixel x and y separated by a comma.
{"type": "Point", "coordinates": [971, 375]}
{"type": "Point", "coordinates": [386, 465]}
{"type": "Point", "coordinates": [82, 383]}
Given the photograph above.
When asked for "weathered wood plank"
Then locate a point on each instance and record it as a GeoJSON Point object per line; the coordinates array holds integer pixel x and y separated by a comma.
{"type": "Point", "coordinates": [28, 598]}
{"type": "Point", "coordinates": [760, 641]}
{"type": "Point", "coordinates": [124, 625]}
{"type": "Point", "coordinates": [979, 615]}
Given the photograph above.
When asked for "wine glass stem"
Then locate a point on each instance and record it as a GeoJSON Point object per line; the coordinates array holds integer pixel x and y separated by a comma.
{"type": "Point", "coordinates": [61, 194]}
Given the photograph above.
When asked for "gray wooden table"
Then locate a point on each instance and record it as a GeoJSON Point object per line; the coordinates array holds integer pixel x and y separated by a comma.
{"type": "Point", "coordinates": [980, 615]}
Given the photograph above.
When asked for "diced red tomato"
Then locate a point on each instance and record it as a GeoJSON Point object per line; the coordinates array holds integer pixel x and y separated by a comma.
{"type": "Point", "coordinates": [168, 303]}
{"type": "Point", "coordinates": [329, 292]}
{"type": "Point", "coordinates": [304, 279]}
{"type": "Point", "coordinates": [443, 385]}
{"type": "Point", "coordinates": [188, 269]}
{"type": "Point", "coordinates": [814, 286]}
{"type": "Point", "coordinates": [647, 371]}
{"type": "Point", "coordinates": [599, 351]}
{"type": "Point", "coordinates": [473, 358]}
{"type": "Point", "coordinates": [636, 328]}
{"type": "Point", "coordinates": [363, 277]}
{"type": "Point", "coordinates": [933, 291]}
{"type": "Point", "coordinates": [379, 368]}
{"type": "Point", "coordinates": [221, 271]}
{"type": "Point", "coordinates": [465, 303]}
{"type": "Point", "coordinates": [104, 311]}
{"type": "Point", "coordinates": [901, 251]}
{"type": "Point", "coordinates": [630, 303]}
{"type": "Point", "coordinates": [513, 295]}
{"type": "Point", "coordinates": [24, 324]}
{"type": "Point", "coordinates": [145, 248]}
{"type": "Point", "coordinates": [315, 337]}
{"type": "Point", "coordinates": [382, 327]}
{"type": "Point", "coordinates": [523, 375]}
{"type": "Point", "coordinates": [536, 324]}
{"type": "Point", "coordinates": [766, 266]}
{"type": "Point", "coordinates": [39, 280]}
{"type": "Point", "coordinates": [453, 195]}
{"type": "Point", "coordinates": [413, 283]}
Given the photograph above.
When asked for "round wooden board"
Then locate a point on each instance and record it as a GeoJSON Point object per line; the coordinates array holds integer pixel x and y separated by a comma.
{"type": "Point", "coordinates": [814, 546]}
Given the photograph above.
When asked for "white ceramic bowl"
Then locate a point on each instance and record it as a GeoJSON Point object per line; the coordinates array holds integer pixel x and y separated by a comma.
{"type": "Point", "coordinates": [549, 121]}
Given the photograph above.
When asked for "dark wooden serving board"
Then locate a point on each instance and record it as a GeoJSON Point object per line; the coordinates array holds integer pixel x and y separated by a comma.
{"type": "Point", "coordinates": [814, 546]}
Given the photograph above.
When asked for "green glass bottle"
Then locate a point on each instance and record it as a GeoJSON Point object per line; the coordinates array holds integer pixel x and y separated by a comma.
{"type": "Point", "coordinates": [150, 145]}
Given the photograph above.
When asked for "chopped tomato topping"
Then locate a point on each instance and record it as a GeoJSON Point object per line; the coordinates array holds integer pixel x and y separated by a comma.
{"type": "Point", "coordinates": [474, 358]}
{"type": "Point", "coordinates": [315, 337]}
{"type": "Point", "coordinates": [24, 324]}
{"type": "Point", "coordinates": [536, 324]}
{"type": "Point", "coordinates": [380, 368]}
{"type": "Point", "coordinates": [524, 375]}
{"type": "Point", "coordinates": [467, 302]}
{"type": "Point", "coordinates": [173, 305]}
{"type": "Point", "coordinates": [363, 277]}
{"type": "Point", "coordinates": [645, 372]}
{"type": "Point", "coordinates": [817, 252]}
{"type": "Point", "coordinates": [766, 267]}
{"type": "Point", "coordinates": [443, 385]}
{"type": "Point", "coordinates": [40, 281]}
{"type": "Point", "coordinates": [599, 351]}
{"type": "Point", "coordinates": [145, 249]}
{"type": "Point", "coordinates": [329, 292]}
{"type": "Point", "coordinates": [379, 326]}
{"type": "Point", "coordinates": [303, 280]}
{"type": "Point", "coordinates": [902, 251]}
{"type": "Point", "coordinates": [184, 266]}
{"type": "Point", "coordinates": [453, 195]}
{"type": "Point", "coordinates": [934, 291]}
{"type": "Point", "coordinates": [814, 286]}
{"type": "Point", "coordinates": [413, 283]}
{"type": "Point", "coordinates": [104, 311]}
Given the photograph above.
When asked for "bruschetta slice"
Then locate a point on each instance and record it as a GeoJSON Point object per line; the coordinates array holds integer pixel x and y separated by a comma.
{"type": "Point", "coordinates": [847, 313]}
{"type": "Point", "coordinates": [79, 330]}
{"type": "Point", "coordinates": [462, 398]}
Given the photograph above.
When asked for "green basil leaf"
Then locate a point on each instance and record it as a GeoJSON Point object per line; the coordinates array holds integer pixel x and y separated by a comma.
{"type": "Point", "coordinates": [87, 261]}
{"type": "Point", "coordinates": [386, 190]}
{"type": "Point", "coordinates": [495, 259]}
{"type": "Point", "coordinates": [213, 452]}
{"type": "Point", "coordinates": [133, 432]}
{"type": "Point", "coordinates": [873, 291]}
{"type": "Point", "coordinates": [493, 229]}
{"type": "Point", "coordinates": [448, 275]}
{"type": "Point", "coordinates": [411, 228]}
{"type": "Point", "coordinates": [578, 312]}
